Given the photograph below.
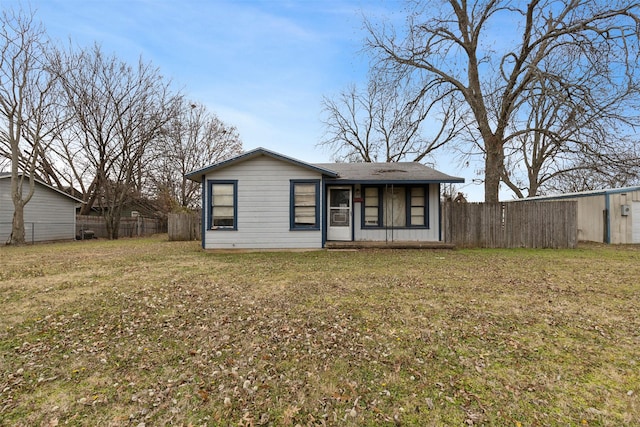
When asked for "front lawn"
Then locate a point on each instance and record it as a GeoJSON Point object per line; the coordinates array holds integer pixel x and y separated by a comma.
{"type": "Point", "coordinates": [150, 332]}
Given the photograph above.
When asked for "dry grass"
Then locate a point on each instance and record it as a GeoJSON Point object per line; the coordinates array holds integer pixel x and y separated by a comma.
{"type": "Point", "coordinates": [150, 332]}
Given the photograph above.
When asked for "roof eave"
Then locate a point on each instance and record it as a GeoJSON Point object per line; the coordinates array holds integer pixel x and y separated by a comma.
{"type": "Point", "coordinates": [48, 186]}
{"type": "Point", "coordinates": [578, 195]}
{"type": "Point", "coordinates": [198, 175]}
{"type": "Point", "coordinates": [397, 181]}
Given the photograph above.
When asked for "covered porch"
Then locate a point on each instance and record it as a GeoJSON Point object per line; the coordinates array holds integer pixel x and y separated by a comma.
{"type": "Point", "coordinates": [388, 245]}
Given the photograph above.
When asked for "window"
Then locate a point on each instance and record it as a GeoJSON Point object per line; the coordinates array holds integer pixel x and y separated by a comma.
{"type": "Point", "coordinates": [223, 213]}
{"type": "Point", "coordinates": [304, 205]}
{"type": "Point", "coordinates": [395, 206]}
{"type": "Point", "coordinates": [418, 205]}
{"type": "Point", "coordinates": [371, 206]}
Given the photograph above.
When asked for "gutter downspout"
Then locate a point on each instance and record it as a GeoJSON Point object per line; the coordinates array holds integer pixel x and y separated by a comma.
{"type": "Point", "coordinates": [203, 226]}
{"type": "Point", "coordinates": [392, 210]}
{"type": "Point", "coordinates": [439, 211]}
{"type": "Point", "coordinates": [323, 211]}
{"type": "Point", "coordinates": [353, 211]}
{"type": "Point", "coordinates": [384, 214]}
{"type": "Point", "coordinates": [607, 223]}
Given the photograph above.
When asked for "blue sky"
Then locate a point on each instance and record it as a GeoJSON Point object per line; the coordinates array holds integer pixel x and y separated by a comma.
{"type": "Point", "coordinates": [260, 65]}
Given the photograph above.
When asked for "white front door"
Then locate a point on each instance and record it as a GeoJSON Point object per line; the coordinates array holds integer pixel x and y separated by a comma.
{"type": "Point", "coordinates": [339, 213]}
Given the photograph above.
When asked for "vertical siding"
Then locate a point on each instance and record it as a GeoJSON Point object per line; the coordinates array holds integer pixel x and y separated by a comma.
{"type": "Point", "coordinates": [591, 218]}
{"type": "Point", "coordinates": [49, 215]}
{"type": "Point", "coordinates": [635, 218]}
{"type": "Point", "coordinates": [263, 207]}
{"type": "Point", "coordinates": [622, 225]}
{"type": "Point", "coordinates": [617, 222]}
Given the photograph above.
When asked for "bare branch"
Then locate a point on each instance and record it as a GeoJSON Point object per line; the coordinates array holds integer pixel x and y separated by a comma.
{"type": "Point", "coordinates": [569, 55]}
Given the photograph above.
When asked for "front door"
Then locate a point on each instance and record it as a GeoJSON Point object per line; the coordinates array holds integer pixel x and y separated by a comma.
{"type": "Point", "coordinates": [339, 213]}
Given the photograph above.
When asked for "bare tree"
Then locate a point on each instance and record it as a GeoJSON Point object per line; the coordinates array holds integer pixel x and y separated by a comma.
{"type": "Point", "coordinates": [559, 129]}
{"type": "Point", "coordinates": [559, 149]}
{"type": "Point", "coordinates": [118, 112]}
{"type": "Point", "coordinates": [585, 176]}
{"type": "Point", "coordinates": [388, 122]}
{"type": "Point", "coordinates": [26, 106]}
{"type": "Point", "coordinates": [193, 138]}
{"type": "Point", "coordinates": [451, 46]}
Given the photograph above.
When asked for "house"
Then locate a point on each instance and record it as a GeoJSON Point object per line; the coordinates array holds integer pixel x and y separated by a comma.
{"type": "Point", "coordinates": [605, 216]}
{"type": "Point", "coordinates": [134, 205]}
{"type": "Point", "coordinates": [49, 215]}
{"type": "Point", "coordinates": [262, 199]}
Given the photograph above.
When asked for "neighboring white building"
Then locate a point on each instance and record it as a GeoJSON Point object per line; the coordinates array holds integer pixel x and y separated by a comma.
{"type": "Point", "coordinates": [50, 214]}
{"type": "Point", "coordinates": [606, 216]}
{"type": "Point", "coordinates": [265, 200]}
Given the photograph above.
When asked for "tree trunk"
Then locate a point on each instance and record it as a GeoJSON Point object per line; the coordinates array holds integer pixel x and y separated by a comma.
{"type": "Point", "coordinates": [17, 226]}
{"type": "Point", "coordinates": [89, 197]}
{"type": "Point", "coordinates": [19, 200]}
{"type": "Point", "coordinates": [115, 226]}
{"type": "Point", "coordinates": [112, 217]}
{"type": "Point", "coordinates": [85, 209]}
{"type": "Point", "coordinates": [494, 165]}
{"type": "Point", "coordinates": [112, 232]}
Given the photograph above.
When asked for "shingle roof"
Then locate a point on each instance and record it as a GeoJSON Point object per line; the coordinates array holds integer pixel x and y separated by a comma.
{"type": "Point", "coordinates": [4, 175]}
{"type": "Point", "coordinates": [388, 172]}
{"type": "Point", "coordinates": [344, 172]}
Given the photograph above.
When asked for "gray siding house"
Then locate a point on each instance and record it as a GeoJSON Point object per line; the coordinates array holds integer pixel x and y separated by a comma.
{"type": "Point", "coordinates": [49, 215]}
{"type": "Point", "coordinates": [265, 200]}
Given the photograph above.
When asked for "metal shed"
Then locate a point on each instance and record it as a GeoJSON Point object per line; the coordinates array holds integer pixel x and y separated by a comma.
{"type": "Point", "coordinates": [606, 216]}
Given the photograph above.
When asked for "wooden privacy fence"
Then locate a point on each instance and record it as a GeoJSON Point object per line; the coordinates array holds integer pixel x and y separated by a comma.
{"type": "Point", "coordinates": [547, 224]}
{"type": "Point", "coordinates": [184, 226]}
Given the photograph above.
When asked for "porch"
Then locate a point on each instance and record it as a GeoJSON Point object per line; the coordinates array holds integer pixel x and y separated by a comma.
{"type": "Point", "coordinates": [387, 245]}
